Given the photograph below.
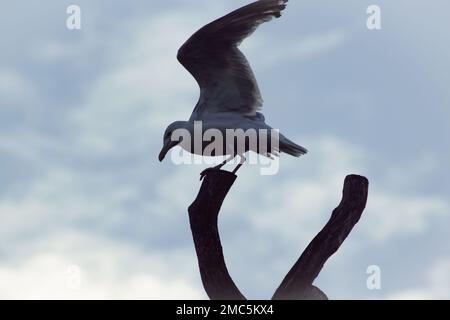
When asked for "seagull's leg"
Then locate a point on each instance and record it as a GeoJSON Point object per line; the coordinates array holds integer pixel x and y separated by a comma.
{"type": "Point", "coordinates": [218, 167]}
{"type": "Point", "coordinates": [243, 159]}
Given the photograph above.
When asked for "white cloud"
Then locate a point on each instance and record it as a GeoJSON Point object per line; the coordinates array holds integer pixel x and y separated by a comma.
{"type": "Point", "coordinates": [130, 104]}
{"type": "Point", "coordinates": [281, 50]}
{"type": "Point", "coordinates": [107, 270]}
{"type": "Point", "coordinates": [15, 85]}
{"type": "Point", "coordinates": [58, 196]}
{"type": "Point", "coordinates": [393, 215]}
{"type": "Point", "coordinates": [437, 286]}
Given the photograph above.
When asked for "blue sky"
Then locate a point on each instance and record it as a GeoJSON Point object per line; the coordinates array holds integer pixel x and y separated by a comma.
{"type": "Point", "coordinates": [82, 114]}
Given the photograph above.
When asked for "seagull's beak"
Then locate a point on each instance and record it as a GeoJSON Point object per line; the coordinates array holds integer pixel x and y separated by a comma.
{"type": "Point", "coordinates": [166, 147]}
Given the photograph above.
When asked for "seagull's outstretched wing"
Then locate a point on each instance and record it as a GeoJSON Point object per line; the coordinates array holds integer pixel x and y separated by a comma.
{"type": "Point", "coordinates": [226, 81]}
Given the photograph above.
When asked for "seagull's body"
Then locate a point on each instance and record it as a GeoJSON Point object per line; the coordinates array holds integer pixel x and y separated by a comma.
{"type": "Point", "coordinates": [229, 94]}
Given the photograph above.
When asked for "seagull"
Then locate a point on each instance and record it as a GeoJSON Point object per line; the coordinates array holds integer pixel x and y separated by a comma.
{"type": "Point", "coordinates": [229, 94]}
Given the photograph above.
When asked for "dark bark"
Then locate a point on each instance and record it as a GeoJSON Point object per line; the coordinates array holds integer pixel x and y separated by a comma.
{"type": "Point", "coordinates": [203, 216]}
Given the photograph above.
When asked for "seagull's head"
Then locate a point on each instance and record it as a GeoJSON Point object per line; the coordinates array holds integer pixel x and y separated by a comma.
{"type": "Point", "coordinates": [169, 140]}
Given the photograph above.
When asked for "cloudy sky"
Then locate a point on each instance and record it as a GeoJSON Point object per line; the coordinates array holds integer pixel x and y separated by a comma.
{"type": "Point", "coordinates": [87, 211]}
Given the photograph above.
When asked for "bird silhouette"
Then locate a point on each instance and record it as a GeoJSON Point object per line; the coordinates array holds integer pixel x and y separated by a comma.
{"type": "Point", "coordinates": [229, 94]}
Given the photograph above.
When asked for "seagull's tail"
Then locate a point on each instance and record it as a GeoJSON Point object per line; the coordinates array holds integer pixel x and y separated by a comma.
{"type": "Point", "coordinates": [289, 147]}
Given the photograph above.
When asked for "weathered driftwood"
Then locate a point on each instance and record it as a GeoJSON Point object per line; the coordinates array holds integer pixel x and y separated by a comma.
{"type": "Point", "coordinates": [298, 283]}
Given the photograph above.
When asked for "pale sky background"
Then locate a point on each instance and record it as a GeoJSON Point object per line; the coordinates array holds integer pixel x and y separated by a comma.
{"type": "Point", "coordinates": [82, 115]}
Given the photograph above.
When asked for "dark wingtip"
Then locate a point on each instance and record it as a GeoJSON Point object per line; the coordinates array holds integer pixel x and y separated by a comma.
{"type": "Point", "coordinates": [282, 4]}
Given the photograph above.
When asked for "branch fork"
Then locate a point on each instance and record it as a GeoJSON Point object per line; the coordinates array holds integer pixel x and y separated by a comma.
{"type": "Point", "coordinates": [298, 283]}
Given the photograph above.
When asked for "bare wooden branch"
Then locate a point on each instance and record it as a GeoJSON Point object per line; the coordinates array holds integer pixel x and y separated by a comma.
{"type": "Point", "coordinates": [298, 282]}
{"type": "Point", "coordinates": [203, 214]}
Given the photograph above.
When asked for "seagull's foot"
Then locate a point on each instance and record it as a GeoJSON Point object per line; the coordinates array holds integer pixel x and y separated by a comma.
{"type": "Point", "coordinates": [208, 170]}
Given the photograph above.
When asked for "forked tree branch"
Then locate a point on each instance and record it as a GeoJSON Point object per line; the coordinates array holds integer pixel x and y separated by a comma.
{"type": "Point", "coordinates": [203, 216]}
